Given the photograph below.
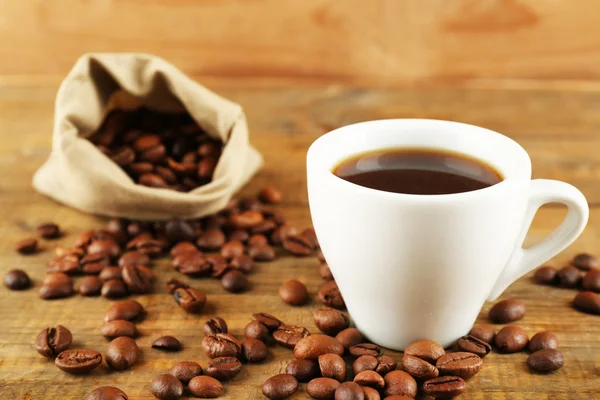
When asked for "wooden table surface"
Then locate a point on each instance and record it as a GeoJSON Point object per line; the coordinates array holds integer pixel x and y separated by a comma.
{"type": "Point", "coordinates": [558, 123]}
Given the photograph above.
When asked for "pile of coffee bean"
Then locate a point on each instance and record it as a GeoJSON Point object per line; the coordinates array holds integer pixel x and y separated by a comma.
{"type": "Point", "coordinates": [582, 273]}
{"type": "Point", "coordinates": [158, 149]}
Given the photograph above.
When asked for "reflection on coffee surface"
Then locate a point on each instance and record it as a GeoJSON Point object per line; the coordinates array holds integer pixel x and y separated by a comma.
{"type": "Point", "coordinates": [417, 171]}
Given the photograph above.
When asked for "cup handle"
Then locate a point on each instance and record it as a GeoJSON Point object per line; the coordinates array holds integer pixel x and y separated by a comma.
{"type": "Point", "coordinates": [522, 260]}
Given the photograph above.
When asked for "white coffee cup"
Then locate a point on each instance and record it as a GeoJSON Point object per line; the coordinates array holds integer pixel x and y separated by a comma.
{"type": "Point", "coordinates": [421, 266]}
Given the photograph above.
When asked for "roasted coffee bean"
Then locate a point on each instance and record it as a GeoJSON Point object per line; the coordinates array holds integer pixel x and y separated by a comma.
{"type": "Point", "coordinates": [90, 286]}
{"type": "Point", "coordinates": [325, 272]}
{"type": "Point", "coordinates": [145, 244]}
{"type": "Point", "coordinates": [298, 245]}
{"type": "Point", "coordinates": [219, 265]}
{"type": "Point", "coordinates": [114, 289]}
{"type": "Point", "coordinates": [310, 235]}
{"type": "Point", "coordinates": [246, 219]}
{"type": "Point", "coordinates": [543, 340]}
{"type": "Point", "coordinates": [168, 343]}
{"type": "Point", "coordinates": [364, 349]}
{"type": "Point", "coordinates": [174, 284]}
{"type": "Point", "coordinates": [192, 264]}
{"type": "Point", "coordinates": [214, 325]}
{"type": "Point", "coordinates": [348, 337]}
{"type": "Point", "coordinates": [444, 387]}
{"type": "Point", "coordinates": [123, 156]}
{"type": "Point", "coordinates": [78, 361]}
{"type": "Point", "coordinates": [587, 302]}
{"type": "Point", "coordinates": [134, 258]}
{"type": "Point", "coordinates": [93, 263]}
{"type": "Point", "coordinates": [270, 195]}
{"type": "Point", "coordinates": [385, 364]}
{"type": "Point", "coordinates": [107, 393]}
{"type": "Point", "coordinates": [364, 363]}
{"type": "Point", "coordinates": [546, 360]}
{"type": "Point", "coordinates": [471, 344]}
{"type": "Point", "coordinates": [569, 277]}
{"type": "Point", "coordinates": [138, 278]}
{"type": "Point", "coordinates": [282, 233]}
{"type": "Point", "coordinates": [138, 169]}
{"type": "Point", "coordinates": [419, 369]}
{"type": "Point", "coordinates": [293, 292]}
{"type": "Point", "coordinates": [166, 387]}
{"type": "Point", "coordinates": [185, 371]}
{"type": "Point", "coordinates": [257, 330]}
{"type": "Point", "coordinates": [265, 227]}
{"type": "Point", "coordinates": [267, 320]}
{"type": "Point", "coordinates": [280, 386]}
{"type": "Point", "coordinates": [56, 286]}
{"type": "Point", "coordinates": [211, 239]}
{"type": "Point", "coordinates": [66, 263]}
{"type": "Point", "coordinates": [234, 281]}
{"type": "Point", "coordinates": [254, 350]}
{"type": "Point", "coordinates": [372, 394]}
{"type": "Point", "coordinates": [427, 350]}
{"type": "Point", "coordinates": [511, 339]}
{"type": "Point", "coordinates": [110, 273]}
{"type": "Point", "coordinates": [257, 239]}
{"type": "Point", "coordinates": [118, 327]}
{"type": "Point", "coordinates": [223, 368]}
{"type": "Point", "coordinates": [121, 353]}
{"type": "Point", "coordinates": [190, 300]}
{"type": "Point", "coordinates": [591, 281]}
{"type": "Point", "coordinates": [508, 310]}
{"type": "Point", "coordinates": [205, 387]}
{"type": "Point", "coordinates": [311, 347]}
{"type": "Point", "coordinates": [52, 341]}
{"type": "Point", "coordinates": [462, 364]}
{"type": "Point", "coordinates": [289, 335]}
{"type": "Point", "coordinates": [179, 231]}
{"type": "Point", "coordinates": [241, 235]}
{"type": "Point", "coordinates": [232, 249]}
{"type": "Point", "coordinates": [330, 320]}
{"type": "Point", "coordinates": [183, 247]}
{"type": "Point", "coordinates": [221, 345]}
{"type": "Point", "coordinates": [27, 246]}
{"type": "Point", "coordinates": [206, 167]}
{"type": "Point", "coordinates": [484, 332]}
{"type": "Point", "coordinates": [546, 275]}
{"type": "Point", "coordinates": [332, 366]}
{"type": "Point", "coordinates": [349, 391]}
{"type": "Point", "coordinates": [400, 383]}
{"type": "Point", "coordinates": [125, 309]}
{"type": "Point", "coordinates": [243, 263]}
{"type": "Point", "coordinates": [17, 279]}
{"type": "Point", "coordinates": [330, 295]}
{"type": "Point", "coordinates": [585, 262]}
{"type": "Point", "coordinates": [303, 370]}
{"type": "Point", "coordinates": [262, 253]}
{"type": "Point", "coordinates": [322, 388]}
{"type": "Point", "coordinates": [107, 247]}
{"type": "Point", "coordinates": [48, 231]}
{"type": "Point", "coordinates": [370, 378]}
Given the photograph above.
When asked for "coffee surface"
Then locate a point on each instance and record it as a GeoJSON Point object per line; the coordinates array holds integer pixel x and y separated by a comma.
{"type": "Point", "coordinates": [417, 171]}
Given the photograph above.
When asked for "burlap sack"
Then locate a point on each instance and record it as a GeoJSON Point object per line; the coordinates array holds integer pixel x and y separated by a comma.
{"type": "Point", "coordinates": [79, 175]}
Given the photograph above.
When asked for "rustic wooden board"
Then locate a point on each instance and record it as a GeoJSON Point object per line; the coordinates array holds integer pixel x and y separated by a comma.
{"type": "Point", "coordinates": [557, 125]}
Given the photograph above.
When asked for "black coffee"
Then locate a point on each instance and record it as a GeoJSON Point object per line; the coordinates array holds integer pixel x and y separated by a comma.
{"type": "Point", "coordinates": [417, 171]}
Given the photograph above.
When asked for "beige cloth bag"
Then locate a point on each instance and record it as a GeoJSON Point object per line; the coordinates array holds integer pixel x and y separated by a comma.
{"type": "Point", "coordinates": [79, 175]}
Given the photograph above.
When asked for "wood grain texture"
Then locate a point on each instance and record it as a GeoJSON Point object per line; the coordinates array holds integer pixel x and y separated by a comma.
{"type": "Point", "coordinates": [558, 126]}
{"type": "Point", "coordinates": [385, 40]}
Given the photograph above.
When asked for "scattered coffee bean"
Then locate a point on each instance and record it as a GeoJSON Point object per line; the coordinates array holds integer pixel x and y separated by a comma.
{"type": "Point", "coordinates": [400, 383]}
{"type": "Point", "coordinates": [241, 235]}
{"type": "Point", "coordinates": [190, 300]}
{"type": "Point", "coordinates": [107, 393]}
{"type": "Point", "coordinates": [332, 366]}
{"type": "Point", "coordinates": [325, 272]}
{"type": "Point", "coordinates": [349, 391]}
{"type": "Point", "coordinates": [121, 353]}
{"type": "Point", "coordinates": [114, 289]}
{"type": "Point", "coordinates": [587, 302]}
{"type": "Point", "coordinates": [137, 278]}
{"type": "Point", "coordinates": [569, 277]}
{"type": "Point", "coordinates": [125, 309]}
{"type": "Point", "coordinates": [168, 343]}
{"type": "Point", "coordinates": [205, 387]}
{"type": "Point", "coordinates": [270, 195]}
{"type": "Point", "coordinates": [232, 249]}
{"type": "Point", "coordinates": [303, 370]}
{"type": "Point", "coordinates": [52, 341]}
{"type": "Point", "coordinates": [262, 253]}
{"type": "Point", "coordinates": [254, 350]}
{"type": "Point", "coordinates": [27, 246]}
{"type": "Point", "coordinates": [56, 285]}
{"type": "Point", "coordinates": [484, 332]}
{"type": "Point", "coordinates": [298, 245]}
{"type": "Point", "coordinates": [511, 339]}
{"type": "Point", "coordinates": [48, 231]}
{"type": "Point", "coordinates": [348, 337]}
{"type": "Point", "coordinates": [372, 394]}
{"type": "Point", "coordinates": [322, 388]}
{"type": "Point", "coordinates": [282, 233]}
{"type": "Point", "coordinates": [267, 320]}
{"type": "Point", "coordinates": [370, 378]}
{"type": "Point", "coordinates": [221, 345]}
{"type": "Point", "coordinates": [471, 344]}
{"type": "Point", "coordinates": [257, 240]}
{"type": "Point", "coordinates": [223, 368]}
{"type": "Point", "coordinates": [462, 364]}
{"type": "Point", "coordinates": [183, 247]}
{"type": "Point", "coordinates": [546, 360]}
{"type": "Point", "coordinates": [330, 295]}
{"type": "Point", "coordinates": [185, 371]}
{"type": "Point", "coordinates": [108, 247]}
{"type": "Point", "coordinates": [543, 340]}
{"type": "Point", "coordinates": [211, 239]}
{"type": "Point", "coordinates": [364, 349]}
{"type": "Point", "coordinates": [192, 264]}
{"type": "Point", "coordinates": [293, 292]}
{"type": "Point", "coordinates": [78, 361]}
{"type": "Point", "coordinates": [17, 279]}
{"type": "Point", "coordinates": [419, 369]}
{"type": "Point", "coordinates": [174, 284]}
{"type": "Point", "coordinates": [546, 275]}
{"type": "Point", "coordinates": [330, 320]}
{"type": "Point", "coordinates": [234, 281]}
{"type": "Point", "coordinates": [280, 386]}
{"type": "Point", "coordinates": [110, 273]}
{"type": "Point", "coordinates": [364, 363]}
{"type": "Point", "coordinates": [118, 327]}
{"type": "Point", "coordinates": [508, 310]}
{"type": "Point", "coordinates": [311, 347]}
{"type": "Point", "coordinates": [289, 335]}
{"type": "Point", "coordinates": [67, 263]}
{"type": "Point", "coordinates": [257, 330]}
{"type": "Point", "coordinates": [93, 263]}
{"type": "Point", "coordinates": [90, 286]}
{"type": "Point", "coordinates": [591, 281]}
{"type": "Point", "coordinates": [134, 258]}
{"type": "Point", "coordinates": [385, 364]}
{"type": "Point", "coordinates": [166, 387]}
{"type": "Point", "coordinates": [214, 325]}
{"type": "Point", "coordinates": [427, 350]}
{"type": "Point", "coordinates": [585, 262]}
{"type": "Point", "coordinates": [243, 263]}
{"type": "Point", "coordinates": [444, 387]}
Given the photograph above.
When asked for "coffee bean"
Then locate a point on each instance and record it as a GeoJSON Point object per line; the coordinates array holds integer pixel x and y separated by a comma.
{"type": "Point", "coordinates": [372, 394]}
{"type": "Point", "coordinates": [265, 227]}
{"type": "Point", "coordinates": [462, 364]}
{"type": "Point", "coordinates": [205, 387]}
{"type": "Point", "coordinates": [280, 386]}
{"type": "Point", "coordinates": [270, 195]}
{"type": "Point", "coordinates": [298, 245]}
{"type": "Point", "coordinates": [262, 253]}
{"type": "Point", "coordinates": [27, 246]}
{"type": "Point", "coordinates": [257, 240]}
{"type": "Point", "coordinates": [282, 233]}
{"type": "Point", "coordinates": [331, 321]}
{"type": "Point", "coordinates": [364, 349]}
{"type": "Point", "coordinates": [325, 272]}
{"type": "Point", "coordinates": [114, 289]}
{"type": "Point", "coordinates": [569, 277]}
{"type": "Point", "coordinates": [66, 263]}
{"type": "Point", "coordinates": [107, 393]}
{"type": "Point", "coordinates": [152, 180]}
{"type": "Point", "coordinates": [585, 262]}
{"type": "Point", "coordinates": [364, 363]}
{"type": "Point", "coordinates": [183, 247]}
{"type": "Point", "coordinates": [52, 341]}
{"type": "Point", "coordinates": [257, 330]}
{"type": "Point", "coordinates": [214, 325]}
{"type": "Point", "coordinates": [232, 249]}
{"type": "Point", "coordinates": [168, 343]}
{"type": "Point", "coordinates": [591, 281]}
{"type": "Point", "coordinates": [311, 347]}
{"type": "Point", "coordinates": [221, 345]}
{"type": "Point", "coordinates": [179, 231]}
{"type": "Point", "coordinates": [427, 350]}
{"type": "Point", "coordinates": [293, 292]}
{"type": "Point", "coordinates": [134, 258]}
{"type": "Point", "coordinates": [242, 235]}
{"type": "Point", "coordinates": [546, 275]}
{"type": "Point", "coordinates": [471, 344]}
{"type": "Point", "coordinates": [192, 264]}
{"type": "Point", "coordinates": [587, 302]}
{"type": "Point", "coordinates": [48, 231]}
{"type": "Point", "coordinates": [55, 286]}
{"type": "Point", "coordinates": [137, 278]}
{"type": "Point", "coordinates": [118, 327]}
{"type": "Point", "coordinates": [211, 239]}
{"type": "Point", "coordinates": [303, 370]}
{"type": "Point", "coordinates": [511, 339]}
{"type": "Point", "coordinates": [185, 371]}
{"type": "Point", "coordinates": [330, 295]}
{"type": "Point", "coordinates": [242, 263]}
{"type": "Point", "coordinates": [444, 387]}
{"type": "Point", "coordinates": [108, 247]}
{"type": "Point", "coordinates": [508, 310]}
{"type": "Point", "coordinates": [332, 366]}
{"type": "Point", "coordinates": [166, 387]}
{"type": "Point", "coordinates": [223, 368]}
{"type": "Point", "coordinates": [322, 388]}
{"type": "Point", "coordinates": [254, 350]}
{"type": "Point", "coordinates": [17, 279]}
{"type": "Point", "coordinates": [348, 337]}
{"type": "Point", "coordinates": [401, 383]}
{"type": "Point", "coordinates": [246, 219]}
{"type": "Point", "coordinates": [125, 309]}
{"type": "Point", "coordinates": [385, 364]}
{"type": "Point", "coordinates": [267, 320]}
{"type": "Point", "coordinates": [110, 273]}
{"type": "Point", "coordinates": [190, 300]}
{"type": "Point", "coordinates": [484, 332]}
{"type": "Point", "coordinates": [419, 369]}
{"type": "Point", "coordinates": [370, 378]}
{"type": "Point", "coordinates": [174, 284]}
{"type": "Point", "coordinates": [121, 353]}
{"type": "Point", "coordinates": [349, 391]}
{"type": "Point", "coordinates": [78, 361]}
{"type": "Point", "coordinates": [543, 340]}
{"type": "Point", "coordinates": [90, 286]}
{"type": "Point", "coordinates": [546, 360]}
{"type": "Point", "coordinates": [289, 335]}
{"type": "Point", "coordinates": [234, 281]}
